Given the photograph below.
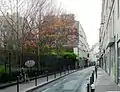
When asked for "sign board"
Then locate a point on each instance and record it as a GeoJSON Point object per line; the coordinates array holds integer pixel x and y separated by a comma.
{"type": "Point", "coordinates": [30, 63]}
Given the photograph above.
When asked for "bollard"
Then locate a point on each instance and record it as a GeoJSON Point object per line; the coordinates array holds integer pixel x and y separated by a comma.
{"type": "Point", "coordinates": [93, 76]}
{"type": "Point", "coordinates": [35, 79]}
{"type": "Point", "coordinates": [96, 71]}
{"type": "Point", "coordinates": [88, 87]}
{"type": "Point", "coordinates": [17, 83]}
{"type": "Point", "coordinates": [93, 88]}
{"type": "Point", "coordinates": [91, 80]}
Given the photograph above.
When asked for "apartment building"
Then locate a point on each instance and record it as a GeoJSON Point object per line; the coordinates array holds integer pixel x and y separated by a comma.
{"type": "Point", "coordinates": [11, 29]}
{"type": "Point", "coordinates": [94, 53]}
{"type": "Point", "coordinates": [109, 38]}
{"type": "Point", "coordinates": [82, 48]}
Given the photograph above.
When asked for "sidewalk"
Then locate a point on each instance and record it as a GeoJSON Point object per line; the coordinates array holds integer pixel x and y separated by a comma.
{"type": "Point", "coordinates": [31, 85]}
{"type": "Point", "coordinates": [104, 83]}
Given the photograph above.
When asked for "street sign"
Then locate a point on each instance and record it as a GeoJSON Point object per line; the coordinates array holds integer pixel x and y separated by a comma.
{"type": "Point", "coordinates": [30, 63]}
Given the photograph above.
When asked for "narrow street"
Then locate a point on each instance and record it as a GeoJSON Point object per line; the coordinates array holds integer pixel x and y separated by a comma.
{"type": "Point", "coordinates": [59, 45]}
{"type": "Point", "coordinates": [75, 82]}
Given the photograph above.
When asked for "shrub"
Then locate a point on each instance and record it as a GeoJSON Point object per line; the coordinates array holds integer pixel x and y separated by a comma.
{"type": "Point", "coordinates": [69, 55]}
{"type": "Point", "coordinates": [4, 77]}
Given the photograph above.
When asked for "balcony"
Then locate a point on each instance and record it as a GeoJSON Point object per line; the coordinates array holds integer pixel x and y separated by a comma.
{"type": "Point", "coordinates": [110, 34]}
{"type": "Point", "coordinates": [110, 40]}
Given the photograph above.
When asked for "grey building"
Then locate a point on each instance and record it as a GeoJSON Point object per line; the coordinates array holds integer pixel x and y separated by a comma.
{"type": "Point", "coordinates": [11, 30]}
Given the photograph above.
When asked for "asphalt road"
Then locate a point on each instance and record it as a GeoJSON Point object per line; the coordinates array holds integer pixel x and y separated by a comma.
{"type": "Point", "coordinates": [25, 86]}
{"type": "Point", "coordinates": [75, 82]}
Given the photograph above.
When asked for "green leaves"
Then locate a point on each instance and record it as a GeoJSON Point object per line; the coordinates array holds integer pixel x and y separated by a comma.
{"type": "Point", "coordinates": [39, 43]}
{"type": "Point", "coordinates": [69, 55]}
{"type": "Point", "coordinates": [2, 68]}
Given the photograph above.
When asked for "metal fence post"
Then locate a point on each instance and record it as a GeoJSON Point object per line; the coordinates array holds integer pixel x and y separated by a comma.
{"type": "Point", "coordinates": [35, 79]}
{"type": "Point", "coordinates": [60, 72]}
{"type": "Point", "coordinates": [64, 72]}
{"type": "Point", "coordinates": [54, 74]}
{"type": "Point", "coordinates": [47, 76]}
{"type": "Point", "coordinates": [68, 69]}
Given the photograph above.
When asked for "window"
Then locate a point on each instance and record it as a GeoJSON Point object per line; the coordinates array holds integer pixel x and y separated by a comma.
{"type": "Point", "coordinates": [118, 7]}
{"type": "Point", "coordinates": [5, 26]}
{"type": "Point", "coordinates": [113, 21]}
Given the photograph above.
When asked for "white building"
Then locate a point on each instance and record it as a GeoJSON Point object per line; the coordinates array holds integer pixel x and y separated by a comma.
{"type": "Point", "coordinates": [82, 49]}
{"type": "Point", "coordinates": [110, 38]}
{"type": "Point", "coordinates": [94, 53]}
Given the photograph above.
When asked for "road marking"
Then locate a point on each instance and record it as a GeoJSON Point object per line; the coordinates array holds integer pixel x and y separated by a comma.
{"type": "Point", "coordinates": [56, 84]}
{"type": "Point", "coordinates": [46, 90]}
{"type": "Point", "coordinates": [64, 79]}
{"type": "Point", "coordinates": [60, 82]}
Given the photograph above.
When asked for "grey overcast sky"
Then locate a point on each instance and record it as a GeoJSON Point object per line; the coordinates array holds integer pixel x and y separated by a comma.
{"type": "Point", "coordinates": [88, 12]}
